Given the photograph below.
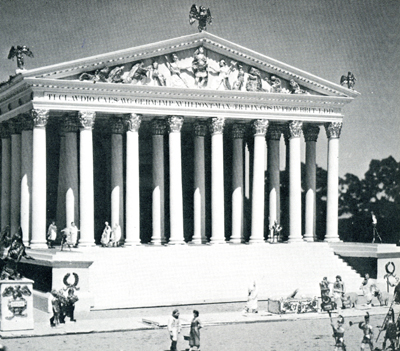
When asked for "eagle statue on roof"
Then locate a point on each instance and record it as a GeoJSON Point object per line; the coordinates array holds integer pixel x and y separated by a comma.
{"type": "Point", "coordinates": [348, 80]}
{"type": "Point", "coordinates": [18, 53]}
{"type": "Point", "coordinates": [201, 14]}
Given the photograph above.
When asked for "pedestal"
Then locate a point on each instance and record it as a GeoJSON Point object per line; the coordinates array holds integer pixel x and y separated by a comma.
{"type": "Point", "coordinates": [16, 304]}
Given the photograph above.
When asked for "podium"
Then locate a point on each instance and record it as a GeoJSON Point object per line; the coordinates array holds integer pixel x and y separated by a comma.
{"type": "Point", "coordinates": [16, 299]}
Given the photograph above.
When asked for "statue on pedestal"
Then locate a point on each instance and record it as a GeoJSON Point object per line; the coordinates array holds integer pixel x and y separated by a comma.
{"type": "Point", "coordinates": [201, 14]}
{"type": "Point", "coordinates": [19, 53]}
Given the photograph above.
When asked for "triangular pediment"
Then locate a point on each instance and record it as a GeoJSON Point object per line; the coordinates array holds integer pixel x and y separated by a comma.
{"type": "Point", "coordinates": [199, 61]}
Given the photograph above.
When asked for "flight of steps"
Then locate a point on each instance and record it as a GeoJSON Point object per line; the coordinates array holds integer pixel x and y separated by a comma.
{"type": "Point", "coordinates": [184, 274]}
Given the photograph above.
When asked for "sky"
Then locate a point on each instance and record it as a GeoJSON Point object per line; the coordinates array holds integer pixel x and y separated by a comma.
{"type": "Point", "coordinates": [327, 38]}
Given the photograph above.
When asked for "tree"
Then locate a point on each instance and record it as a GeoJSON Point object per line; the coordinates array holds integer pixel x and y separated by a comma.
{"type": "Point", "coordinates": [378, 192]}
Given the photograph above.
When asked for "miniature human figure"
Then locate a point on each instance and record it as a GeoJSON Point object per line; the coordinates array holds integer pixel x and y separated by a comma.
{"type": "Point", "coordinates": [366, 289]}
{"type": "Point", "coordinates": [254, 82]}
{"type": "Point", "coordinates": [63, 302]}
{"type": "Point", "coordinates": [73, 231]}
{"type": "Point", "coordinates": [71, 299]}
{"type": "Point", "coordinates": [238, 84]}
{"type": "Point", "coordinates": [367, 333]}
{"type": "Point", "coordinates": [175, 70]}
{"type": "Point", "coordinates": [65, 239]}
{"type": "Point", "coordinates": [157, 75]}
{"type": "Point", "coordinates": [174, 328]}
{"type": "Point", "coordinates": [324, 285]}
{"type": "Point", "coordinates": [275, 229]}
{"type": "Point", "coordinates": [223, 73]}
{"type": "Point", "coordinates": [200, 67]}
{"type": "Point", "coordinates": [138, 73]}
{"type": "Point", "coordinates": [55, 303]}
{"type": "Point", "coordinates": [51, 235]}
{"type": "Point", "coordinates": [115, 235]}
{"type": "Point", "coordinates": [338, 291]}
{"type": "Point", "coordinates": [252, 299]}
{"type": "Point", "coordinates": [105, 237]}
{"type": "Point", "coordinates": [194, 337]}
{"type": "Point", "coordinates": [374, 230]}
{"type": "Point", "coordinates": [338, 333]}
{"type": "Point", "coordinates": [391, 331]}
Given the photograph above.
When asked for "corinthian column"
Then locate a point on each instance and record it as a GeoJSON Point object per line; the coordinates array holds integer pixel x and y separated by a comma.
{"type": "Point", "coordinates": [257, 210]}
{"type": "Point", "coordinates": [332, 206]}
{"type": "Point", "coordinates": [117, 174]}
{"type": "Point", "coordinates": [217, 181]}
{"type": "Point", "coordinates": [86, 120]}
{"type": "Point", "coordinates": [311, 136]}
{"type": "Point", "coordinates": [15, 130]}
{"type": "Point", "coordinates": [26, 177]}
{"type": "Point", "coordinates": [199, 196]}
{"type": "Point", "coordinates": [175, 180]}
{"type": "Point", "coordinates": [5, 175]}
{"type": "Point", "coordinates": [39, 179]}
{"type": "Point", "coordinates": [273, 139]}
{"type": "Point", "coordinates": [158, 128]}
{"type": "Point", "coordinates": [294, 133]}
{"type": "Point", "coordinates": [132, 180]}
{"type": "Point", "coordinates": [238, 133]}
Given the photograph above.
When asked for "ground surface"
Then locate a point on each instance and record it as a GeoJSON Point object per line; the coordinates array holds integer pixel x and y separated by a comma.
{"type": "Point", "coordinates": [313, 335]}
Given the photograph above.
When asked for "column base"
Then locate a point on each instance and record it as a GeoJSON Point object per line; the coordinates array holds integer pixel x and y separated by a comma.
{"type": "Point", "coordinates": [176, 242]}
{"type": "Point", "coordinates": [308, 237]}
{"type": "Point", "coordinates": [217, 241]}
{"type": "Point", "coordinates": [332, 240]}
{"type": "Point", "coordinates": [235, 241]}
{"type": "Point", "coordinates": [87, 244]}
{"type": "Point", "coordinates": [256, 241]}
{"type": "Point", "coordinates": [295, 240]}
{"type": "Point", "coordinates": [196, 241]}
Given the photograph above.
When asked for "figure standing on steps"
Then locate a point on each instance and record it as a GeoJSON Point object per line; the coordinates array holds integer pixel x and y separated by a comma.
{"type": "Point", "coordinates": [252, 299]}
{"type": "Point", "coordinates": [51, 235]}
{"type": "Point", "coordinates": [174, 328]}
{"type": "Point", "coordinates": [338, 291]}
{"type": "Point", "coordinates": [55, 303]}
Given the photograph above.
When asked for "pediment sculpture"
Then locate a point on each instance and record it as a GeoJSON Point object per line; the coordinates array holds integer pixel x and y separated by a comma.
{"type": "Point", "coordinates": [195, 70]}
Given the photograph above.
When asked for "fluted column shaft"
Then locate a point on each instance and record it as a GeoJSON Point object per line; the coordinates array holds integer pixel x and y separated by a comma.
{"type": "Point", "coordinates": [238, 133]}
{"type": "Point", "coordinates": [332, 202]}
{"type": "Point", "coordinates": [175, 180]}
{"type": "Point", "coordinates": [15, 211]}
{"type": "Point", "coordinates": [158, 130]}
{"type": "Point", "coordinates": [5, 175]}
{"type": "Point", "coordinates": [117, 174]}
{"type": "Point", "coordinates": [26, 178]}
{"type": "Point", "coordinates": [217, 181]}
{"type": "Point", "coordinates": [132, 201]}
{"type": "Point", "coordinates": [199, 196]}
{"type": "Point", "coordinates": [311, 135]}
{"type": "Point", "coordinates": [39, 179]}
{"type": "Point", "coordinates": [86, 119]}
{"type": "Point", "coordinates": [273, 140]}
{"type": "Point", "coordinates": [257, 210]}
{"type": "Point", "coordinates": [295, 128]}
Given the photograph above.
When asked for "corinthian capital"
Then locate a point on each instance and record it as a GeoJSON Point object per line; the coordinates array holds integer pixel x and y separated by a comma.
{"type": "Point", "coordinates": [238, 130]}
{"type": "Point", "coordinates": [274, 132]}
{"type": "Point", "coordinates": [294, 129]}
{"type": "Point", "coordinates": [70, 123]}
{"type": "Point", "coordinates": [4, 130]}
{"type": "Point", "coordinates": [216, 125]}
{"type": "Point", "coordinates": [133, 121]}
{"type": "Point", "coordinates": [311, 132]}
{"type": "Point", "coordinates": [259, 127]}
{"type": "Point", "coordinates": [175, 123]}
{"type": "Point", "coordinates": [158, 126]}
{"type": "Point", "coordinates": [117, 125]}
{"type": "Point", "coordinates": [333, 130]}
{"type": "Point", "coordinates": [14, 125]}
{"type": "Point", "coordinates": [39, 117]}
{"type": "Point", "coordinates": [86, 119]}
{"type": "Point", "coordinates": [200, 128]}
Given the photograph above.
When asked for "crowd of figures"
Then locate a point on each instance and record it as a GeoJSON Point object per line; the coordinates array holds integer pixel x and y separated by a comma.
{"type": "Point", "coordinates": [63, 306]}
{"type": "Point", "coordinates": [110, 237]}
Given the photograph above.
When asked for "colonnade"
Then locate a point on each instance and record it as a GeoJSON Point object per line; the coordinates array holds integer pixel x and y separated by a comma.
{"type": "Point", "coordinates": [23, 177]}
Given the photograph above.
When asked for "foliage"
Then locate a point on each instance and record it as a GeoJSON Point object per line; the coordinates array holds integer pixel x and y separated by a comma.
{"type": "Point", "coordinates": [378, 192]}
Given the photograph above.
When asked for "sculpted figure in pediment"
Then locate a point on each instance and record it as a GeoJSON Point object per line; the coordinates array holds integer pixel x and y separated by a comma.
{"type": "Point", "coordinates": [254, 81]}
{"type": "Point", "coordinates": [239, 82]}
{"type": "Point", "coordinates": [223, 72]}
{"type": "Point", "coordinates": [175, 70]}
{"type": "Point", "coordinates": [200, 67]}
{"type": "Point", "coordinates": [99, 75]}
{"type": "Point", "coordinates": [157, 75]}
{"type": "Point", "coordinates": [138, 73]}
{"type": "Point", "coordinates": [296, 88]}
{"type": "Point", "coordinates": [115, 75]}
